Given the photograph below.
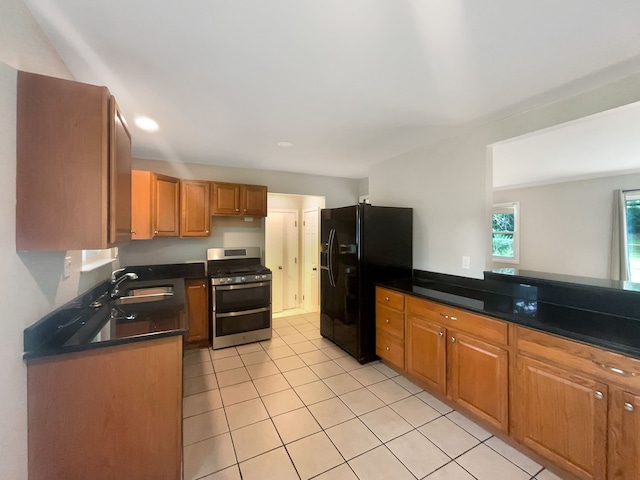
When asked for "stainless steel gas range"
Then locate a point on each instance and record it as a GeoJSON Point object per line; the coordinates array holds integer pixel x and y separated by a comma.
{"type": "Point", "coordinates": [240, 296]}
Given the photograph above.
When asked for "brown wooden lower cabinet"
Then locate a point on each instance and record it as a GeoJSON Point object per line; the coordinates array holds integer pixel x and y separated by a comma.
{"type": "Point", "coordinates": [113, 412]}
{"type": "Point", "coordinates": [563, 417]}
{"type": "Point", "coordinates": [575, 405]}
{"type": "Point", "coordinates": [624, 435]}
{"type": "Point", "coordinates": [197, 292]}
{"type": "Point", "coordinates": [426, 352]}
{"type": "Point", "coordinates": [478, 378]}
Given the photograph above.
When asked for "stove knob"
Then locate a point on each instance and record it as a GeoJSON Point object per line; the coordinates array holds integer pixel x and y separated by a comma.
{"type": "Point", "coordinates": [229, 280]}
{"type": "Point", "coordinates": [242, 279]}
{"type": "Point", "coordinates": [264, 276]}
{"type": "Point", "coordinates": [257, 277]}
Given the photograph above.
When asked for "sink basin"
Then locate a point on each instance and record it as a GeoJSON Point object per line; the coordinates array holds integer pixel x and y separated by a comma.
{"type": "Point", "coordinates": [145, 294]}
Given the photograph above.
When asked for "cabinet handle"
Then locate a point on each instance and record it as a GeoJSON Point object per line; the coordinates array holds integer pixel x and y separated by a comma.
{"type": "Point", "coordinates": [628, 407]}
{"type": "Point", "coordinates": [453, 339]}
{"type": "Point", "coordinates": [387, 349]}
{"type": "Point", "coordinates": [617, 370]}
{"type": "Point", "coordinates": [599, 395]}
{"type": "Point", "coordinates": [133, 232]}
{"type": "Point", "coordinates": [386, 298]}
{"type": "Point", "coordinates": [387, 320]}
{"type": "Point", "coordinates": [441, 334]}
{"type": "Point", "coordinates": [453, 318]}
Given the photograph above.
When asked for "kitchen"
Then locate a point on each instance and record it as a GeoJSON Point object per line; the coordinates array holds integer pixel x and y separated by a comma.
{"type": "Point", "coordinates": [32, 284]}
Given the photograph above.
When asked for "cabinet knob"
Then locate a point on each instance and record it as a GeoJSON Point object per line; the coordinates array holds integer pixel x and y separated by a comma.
{"type": "Point", "coordinates": [206, 231]}
{"type": "Point", "coordinates": [628, 407]}
{"type": "Point", "coordinates": [445, 316]}
{"type": "Point", "coordinates": [387, 349]}
{"type": "Point", "coordinates": [599, 395]}
{"type": "Point", "coordinates": [237, 209]}
{"type": "Point", "coordinates": [387, 320]}
{"type": "Point", "coordinates": [133, 232]}
{"type": "Point", "coordinates": [386, 298]}
{"type": "Point", "coordinates": [453, 339]}
{"type": "Point", "coordinates": [155, 232]}
{"type": "Point", "coordinates": [245, 209]}
{"type": "Point", "coordinates": [204, 285]}
{"type": "Point", "coordinates": [441, 334]}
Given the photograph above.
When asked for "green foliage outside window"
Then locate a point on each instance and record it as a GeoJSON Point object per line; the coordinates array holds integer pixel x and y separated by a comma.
{"type": "Point", "coordinates": [503, 227]}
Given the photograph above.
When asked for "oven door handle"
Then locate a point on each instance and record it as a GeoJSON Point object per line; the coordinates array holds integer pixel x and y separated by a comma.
{"type": "Point", "coordinates": [241, 286]}
{"type": "Point", "coordinates": [243, 312]}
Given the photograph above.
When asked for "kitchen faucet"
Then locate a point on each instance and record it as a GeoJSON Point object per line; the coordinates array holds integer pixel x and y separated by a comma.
{"type": "Point", "coordinates": [118, 280]}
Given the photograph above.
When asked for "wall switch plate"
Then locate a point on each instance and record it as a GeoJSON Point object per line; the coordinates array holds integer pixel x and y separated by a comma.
{"type": "Point", "coordinates": [67, 267]}
{"type": "Point", "coordinates": [466, 262]}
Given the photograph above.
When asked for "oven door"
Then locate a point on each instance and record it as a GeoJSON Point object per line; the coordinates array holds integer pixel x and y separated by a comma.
{"type": "Point", "coordinates": [240, 322]}
{"type": "Point", "coordinates": [236, 298]}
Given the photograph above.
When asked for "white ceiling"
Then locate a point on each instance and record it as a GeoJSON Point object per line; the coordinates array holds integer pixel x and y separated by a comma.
{"type": "Point", "coordinates": [349, 82]}
{"type": "Point", "coordinates": [599, 145]}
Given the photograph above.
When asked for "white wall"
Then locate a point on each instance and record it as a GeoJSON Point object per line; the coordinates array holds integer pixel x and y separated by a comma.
{"type": "Point", "coordinates": [566, 227]}
{"type": "Point", "coordinates": [231, 231]}
{"type": "Point", "coordinates": [449, 185]}
{"type": "Point", "coordinates": [31, 283]}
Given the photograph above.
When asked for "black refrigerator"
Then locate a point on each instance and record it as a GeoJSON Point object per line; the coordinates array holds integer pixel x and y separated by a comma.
{"type": "Point", "coordinates": [361, 244]}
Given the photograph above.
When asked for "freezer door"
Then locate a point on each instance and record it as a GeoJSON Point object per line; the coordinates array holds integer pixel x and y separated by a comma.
{"type": "Point", "coordinates": [340, 290]}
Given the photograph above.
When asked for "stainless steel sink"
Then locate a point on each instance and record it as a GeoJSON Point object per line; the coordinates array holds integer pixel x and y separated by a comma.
{"type": "Point", "coordinates": [145, 294]}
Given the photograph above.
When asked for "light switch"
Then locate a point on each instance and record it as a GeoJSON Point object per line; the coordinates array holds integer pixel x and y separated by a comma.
{"type": "Point", "coordinates": [466, 262]}
{"type": "Point", "coordinates": [67, 267]}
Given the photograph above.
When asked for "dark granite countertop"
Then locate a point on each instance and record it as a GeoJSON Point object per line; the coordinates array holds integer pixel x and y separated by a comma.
{"type": "Point", "coordinates": [523, 307]}
{"type": "Point", "coordinates": [95, 320]}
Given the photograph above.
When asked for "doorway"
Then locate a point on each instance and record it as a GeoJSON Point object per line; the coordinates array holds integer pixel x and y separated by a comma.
{"type": "Point", "coordinates": [292, 251]}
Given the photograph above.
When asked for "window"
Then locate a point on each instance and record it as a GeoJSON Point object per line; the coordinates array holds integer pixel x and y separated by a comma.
{"type": "Point", "coordinates": [92, 259]}
{"type": "Point", "coordinates": [632, 214]}
{"type": "Point", "coordinates": [505, 232]}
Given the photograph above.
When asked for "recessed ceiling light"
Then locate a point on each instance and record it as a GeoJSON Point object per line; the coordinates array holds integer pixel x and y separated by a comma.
{"type": "Point", "coordinates": [285, 144]}
{"type": "Point", "coordinates": [147, 124]}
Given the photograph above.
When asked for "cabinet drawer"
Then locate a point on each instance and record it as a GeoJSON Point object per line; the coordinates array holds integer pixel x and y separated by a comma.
{"type": "Point", "coordinates": [389, 321]}
{"type": "Point", "coordinates": [609, 366]}
{"type": "Point", "coordinates": [390, 298]}
{"type": "Point", "coordinates": [390, 348]}
{"type": "Point", "coordinates": [495, 331]}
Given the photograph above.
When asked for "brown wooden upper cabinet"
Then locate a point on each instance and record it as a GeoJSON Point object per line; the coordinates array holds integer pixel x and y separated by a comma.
{"type": "Point", "coordinates": [233, 199]}
{"type": "Point", "coordinates": [195, 217]}
{"type": "Point", "coordinates": [154, 206]}
{"type": "Point", "coordinates": [73, 179]}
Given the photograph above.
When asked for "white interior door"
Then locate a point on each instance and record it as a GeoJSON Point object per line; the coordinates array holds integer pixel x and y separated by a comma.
{"type": "Point", "coordinates": [274, 258]}
{"type": "Point", "coordinates": [281, 256]}
{"type": "Point", "coordinates": [310, 266]}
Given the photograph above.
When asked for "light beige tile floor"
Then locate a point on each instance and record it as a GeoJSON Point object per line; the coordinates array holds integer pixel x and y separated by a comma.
{"type": "Point", "coordinates": [297, 407]}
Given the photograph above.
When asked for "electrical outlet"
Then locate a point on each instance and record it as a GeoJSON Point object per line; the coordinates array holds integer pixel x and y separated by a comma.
{"type": "Point", "coordinates": [466, 262]}
{"type": "Point", "coordinates": [67, 267]}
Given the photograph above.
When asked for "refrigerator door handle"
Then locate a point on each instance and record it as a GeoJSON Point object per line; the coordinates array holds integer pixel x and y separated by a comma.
{"type": "Point", "coordinates": [332, 236]}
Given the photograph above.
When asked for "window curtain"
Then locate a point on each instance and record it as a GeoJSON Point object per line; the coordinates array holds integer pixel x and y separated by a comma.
{"type": "Point", "coordinates": [619, 258]}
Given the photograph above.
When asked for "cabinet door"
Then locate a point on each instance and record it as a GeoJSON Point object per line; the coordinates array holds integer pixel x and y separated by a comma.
{"type": "Point", "coordinates": [225, 199]}
{"type": "Point", "coordinates": [563, 417]}
{"type": "Point", "coordinates": [624, 436]}
{"type": "Point", "coordinates": [426, 352]}
{"type": "Point", "coordinates": [142, 184]}
{"type": "Point", "coordinates": [198, 311]}
{"type": "Point", "coordinates": [119, 176]}
{"type": "Point", "coordinates": [478, 378]}
{"type": "Point", "coordinates": [254, 200]}
{"type": "Point", "coordinates": [194, 208]}
{"type": "Point", "coordinates": [167, 198]}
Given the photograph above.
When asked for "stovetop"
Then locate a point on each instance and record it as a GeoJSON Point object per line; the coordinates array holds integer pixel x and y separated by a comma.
{"type": "Point", "coordinates": [236, 265]}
